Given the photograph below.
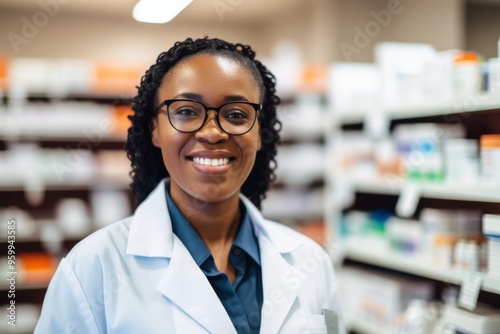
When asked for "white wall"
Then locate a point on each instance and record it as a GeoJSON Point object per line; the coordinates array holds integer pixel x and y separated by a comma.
{"type": "Point", "coordinates": [440, 23]}
{"type": "Point", "coordinates": [320, 28]}
{"type": "Point", "coordinates": [113, 38]}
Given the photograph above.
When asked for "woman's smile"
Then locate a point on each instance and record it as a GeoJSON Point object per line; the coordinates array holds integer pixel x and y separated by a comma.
{"type": "Point", "coordinates": [212, 163]}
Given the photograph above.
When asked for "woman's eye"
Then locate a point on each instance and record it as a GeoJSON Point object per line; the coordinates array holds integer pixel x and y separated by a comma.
{"type": "Point", "coordinates": [236, 114]}
{"type": "Point", "coordinates": [185, 112]}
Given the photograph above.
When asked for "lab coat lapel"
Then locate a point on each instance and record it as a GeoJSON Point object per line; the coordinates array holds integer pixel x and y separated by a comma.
{"type": "Point", "coordinates": [281, 281]}
{"type": "Point", "coordinates": [281, 284]}
{"type": "Point", "coordinates": [185, 285]}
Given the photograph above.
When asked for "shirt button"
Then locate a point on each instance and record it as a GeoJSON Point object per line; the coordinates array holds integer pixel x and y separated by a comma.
{"type": "Point", "coordinates": [237, 251]}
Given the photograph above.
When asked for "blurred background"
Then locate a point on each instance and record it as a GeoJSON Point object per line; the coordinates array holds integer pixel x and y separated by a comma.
{"type": "Point", "coordinates": [390, 153]}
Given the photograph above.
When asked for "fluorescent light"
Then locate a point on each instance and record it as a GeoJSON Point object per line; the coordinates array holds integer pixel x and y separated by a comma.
{"type": "Point", "coordinates": [158, 11]}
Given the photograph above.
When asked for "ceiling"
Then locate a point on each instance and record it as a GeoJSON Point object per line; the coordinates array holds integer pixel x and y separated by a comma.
{"type": "Point", "coordinates": [199, 10]}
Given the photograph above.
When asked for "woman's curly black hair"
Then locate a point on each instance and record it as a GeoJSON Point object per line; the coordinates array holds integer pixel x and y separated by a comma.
{"type": "Point", "coordinates": [148, 168]}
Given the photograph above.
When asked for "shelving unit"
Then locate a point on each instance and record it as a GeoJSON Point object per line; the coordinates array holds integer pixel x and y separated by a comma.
{"type": "Point", "coordinates": [296, 199]}
{"type": "Point", "coordinates": [478, 113]}
{"type": "Point", "coordinates": [80, 129]}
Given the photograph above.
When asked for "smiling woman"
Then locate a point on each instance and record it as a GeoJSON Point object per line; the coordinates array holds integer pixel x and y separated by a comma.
{"type": "Point", "coordinates": [197, 256]}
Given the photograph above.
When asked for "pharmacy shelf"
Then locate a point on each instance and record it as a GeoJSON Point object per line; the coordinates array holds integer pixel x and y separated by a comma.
{"type": "Point", "coordinates": [62, 137]}
{"type": "Point", "coordinates": [385, 258]}
{"type": "Point", "coordinates": [21, 286]}
{"type": "Point", "coordinates": [465, 104]}
{"type": "Point", "coordinates": [428, 190]}
{"type": "Point", "coordinates": [363, 327]}
{"type": "Point", "coordinates": [53, 185]}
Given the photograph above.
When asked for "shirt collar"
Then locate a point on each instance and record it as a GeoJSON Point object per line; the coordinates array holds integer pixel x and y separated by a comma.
{"type": "Point", "coordinates": [245, 239]}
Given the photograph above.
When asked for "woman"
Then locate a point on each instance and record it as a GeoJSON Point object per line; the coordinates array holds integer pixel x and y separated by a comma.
{"type": "Point", "coordinates": [197, 256]}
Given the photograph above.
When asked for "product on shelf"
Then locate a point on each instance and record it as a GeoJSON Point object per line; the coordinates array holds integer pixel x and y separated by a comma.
{"type": "Point", "coordinates": [420, 149]}
{"type": "Point", "coordinates": [483, 320]}
{"type": "Point", "coordinates": [73, 218]}
{"type": "Point", "coordinates": [461, 161]}
{"type": "Point", "coordinates": [62, 77]}
{"type": "Point", "coordinates": [379, 299]}
{"type": "Point", "coordinates": [467, 78]}
{"type": "Point", "coordinates": [35, 267]}
{"type": "Point", "coordinates": [494, 76]}
{"type": "Point", "coordinates": [4, 68]}
{"type": "Point", "coordinates": [300, 164]}
{"type": "Point", "coordinates": [405, 236]}
{"type": "Point", "coordinates": [491, 230]}
{"type": "Point", "coordinates": [444, 228]}
{"type": "Point", "coordinates": [26, 226]}
{"type": "Point", "coordinates": [420, 317]}
{"type": "Point", "coordinates": [354, 88]}
{"type": "Point", "coordinates": [293, 204]}
{"type": "Point", "coordinates": [109, 206]}
{"type": "Point", "coordinates": [303, 120]}
{"type": "Point", "coordinates": [490, 159]}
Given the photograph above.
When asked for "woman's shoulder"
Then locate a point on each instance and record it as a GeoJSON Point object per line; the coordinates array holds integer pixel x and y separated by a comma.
{"type": "Point", "coordinates": [108, 241]}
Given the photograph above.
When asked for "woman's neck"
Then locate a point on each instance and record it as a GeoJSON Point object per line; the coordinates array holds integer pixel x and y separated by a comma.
{"type": "Point", "coordinates": [216, 223]}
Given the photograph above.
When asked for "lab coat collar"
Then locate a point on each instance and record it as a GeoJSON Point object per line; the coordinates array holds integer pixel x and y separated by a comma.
{"type": "Point", "coordinates": [283, 243]}
{"type": "Point", "coordinates": [151, 228]}
{"type": "Point", "coordinates": [281, 281]}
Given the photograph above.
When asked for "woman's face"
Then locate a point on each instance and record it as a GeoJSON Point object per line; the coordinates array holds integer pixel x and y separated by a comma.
{"type": "Point", "coordinates": [190, 157]}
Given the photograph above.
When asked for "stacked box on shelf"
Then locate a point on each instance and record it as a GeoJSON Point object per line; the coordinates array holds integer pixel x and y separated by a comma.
{"type": "Point", "coordinates": [378, 300]}
{"type": "Point", "coordinates": [491, 230]}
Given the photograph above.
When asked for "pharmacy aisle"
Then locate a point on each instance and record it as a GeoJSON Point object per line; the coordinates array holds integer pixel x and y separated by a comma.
{"type": "Point", "coordinates": [414, 191]}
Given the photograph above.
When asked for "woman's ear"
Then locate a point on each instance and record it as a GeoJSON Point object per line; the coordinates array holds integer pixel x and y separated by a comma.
{"type": "Point", "coordinates": [155, 135]}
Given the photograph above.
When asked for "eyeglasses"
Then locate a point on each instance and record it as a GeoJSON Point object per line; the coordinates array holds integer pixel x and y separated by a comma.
{"type": "Point", "coordinates": [234, 118]}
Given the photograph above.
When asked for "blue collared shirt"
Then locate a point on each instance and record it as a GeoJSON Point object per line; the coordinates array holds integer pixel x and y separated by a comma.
{"type": "Point", "coordinates": [243, 299]}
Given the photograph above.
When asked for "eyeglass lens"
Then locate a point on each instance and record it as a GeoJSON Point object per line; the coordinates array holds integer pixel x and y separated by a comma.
{"type": "Point", "coordinates": [234, 118]}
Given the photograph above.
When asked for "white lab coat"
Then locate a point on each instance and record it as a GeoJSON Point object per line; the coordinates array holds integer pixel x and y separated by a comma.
{"type": "Point", "coordinates": [136, 276]}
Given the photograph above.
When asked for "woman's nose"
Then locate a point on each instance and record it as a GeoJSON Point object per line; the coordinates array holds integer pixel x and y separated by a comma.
{"type": "Point", "coordinates": [211, 130]}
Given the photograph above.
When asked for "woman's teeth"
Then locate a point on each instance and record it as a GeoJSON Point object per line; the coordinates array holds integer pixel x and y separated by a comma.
{"type": "Point", "coordinates": [211, 162]}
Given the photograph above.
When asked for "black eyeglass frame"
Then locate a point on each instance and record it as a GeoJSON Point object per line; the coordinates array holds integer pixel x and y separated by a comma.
{"type": "Point", "coordinates": [256, 106]}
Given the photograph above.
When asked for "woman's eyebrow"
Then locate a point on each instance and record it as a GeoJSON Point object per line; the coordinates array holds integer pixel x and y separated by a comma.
{"type": "Point", "coordinates": [199, 97]}
{"type": "Point", "coordinates": [235, 98]}
{"type": "Point", "coordinates": [190, 96]}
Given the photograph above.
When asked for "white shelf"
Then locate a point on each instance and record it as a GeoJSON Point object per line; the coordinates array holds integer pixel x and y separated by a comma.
{"type": "Point", "coordinates": [363, 327]}
{"type": "Point", "coordinates": [20, 286]}
{"type": "Point", "coordinates": [62, 137]}
{"type": "Point", "coordinates": [429, 190]}
{"type": "Point", "coordinates": [468, 103]}
{"type": "Point", "coordinates": [415, 266]}
{"type": "Point", "coordinates": [53, 185]}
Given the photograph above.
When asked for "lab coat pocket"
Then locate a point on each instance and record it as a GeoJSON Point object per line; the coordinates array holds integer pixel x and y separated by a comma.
{"type": "Point", "coordinates": [316, 324]}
